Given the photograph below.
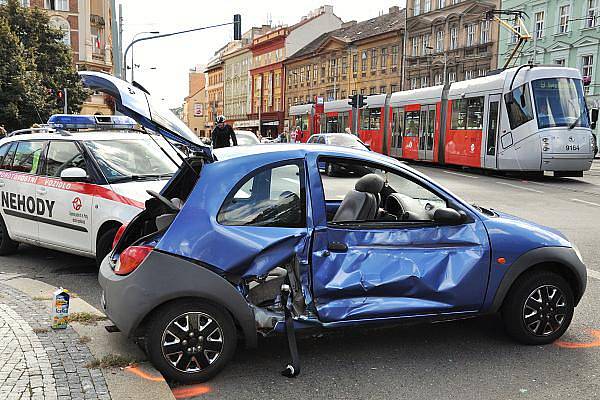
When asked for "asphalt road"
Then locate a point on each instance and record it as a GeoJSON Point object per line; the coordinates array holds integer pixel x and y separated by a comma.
{"type": "Point", "coordinates": [470, 359]}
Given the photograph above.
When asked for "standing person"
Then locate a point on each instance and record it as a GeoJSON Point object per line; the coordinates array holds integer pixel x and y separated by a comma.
{"type": "Point", "coordinates": [223, 134]}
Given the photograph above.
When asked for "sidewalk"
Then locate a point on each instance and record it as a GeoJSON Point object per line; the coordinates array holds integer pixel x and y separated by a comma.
{"type": "Point", "coordinates": [37, 362]}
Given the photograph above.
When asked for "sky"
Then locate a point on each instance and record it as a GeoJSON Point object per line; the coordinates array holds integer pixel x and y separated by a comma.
{"type": "Point", "coordinates": [173, 57]}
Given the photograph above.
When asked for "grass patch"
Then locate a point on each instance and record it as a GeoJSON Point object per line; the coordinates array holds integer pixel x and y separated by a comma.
{"type": "Point", "coordinates": [40, 330]}
{"type": "Point", "coordinates": [111, 361]}
{"type": "Point", "coordinates": [84, 339]}
{"type": "Point", "coordinates": [41, 298]}
{"type": "Point", "coordinates": [86, 318]}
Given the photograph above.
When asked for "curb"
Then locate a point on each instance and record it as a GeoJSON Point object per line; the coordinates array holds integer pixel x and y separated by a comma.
{"type": "Point", "coordinates": [134, 382]}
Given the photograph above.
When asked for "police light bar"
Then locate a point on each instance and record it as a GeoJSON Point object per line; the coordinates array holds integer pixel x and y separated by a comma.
{"type": "Point", "coordinates": [71, 121]}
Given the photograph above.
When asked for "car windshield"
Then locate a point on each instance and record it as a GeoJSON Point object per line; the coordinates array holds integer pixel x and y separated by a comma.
{"type": "Point", "coordinates": [133, 159]}
{"type": "Point", "coordinates": [246, 139]}
{"type": "Point", "coordinates": [343, 140]}
{"type": "Point", "coordinates": [560, 102]}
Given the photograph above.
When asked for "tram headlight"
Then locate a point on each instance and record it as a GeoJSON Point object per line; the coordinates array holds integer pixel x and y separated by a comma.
{"type": "Point", "coordinates": [546, 147]}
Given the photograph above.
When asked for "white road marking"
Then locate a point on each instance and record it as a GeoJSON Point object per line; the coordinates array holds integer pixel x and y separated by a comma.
{"type": "Point", "coordinates": [459, 174]}
{"type": "Point", "coordinates": [593, 274]}
{"type": "Point", "coordinates": [586, 202]}
{"type": "Point", "coordinates": [519, 187]}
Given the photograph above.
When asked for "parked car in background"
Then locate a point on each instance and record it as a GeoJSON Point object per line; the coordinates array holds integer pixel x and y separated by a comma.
{"type": "Point", "coordinates": [343, 140]}
{"type": "Point", "coordinates": [246, 138]}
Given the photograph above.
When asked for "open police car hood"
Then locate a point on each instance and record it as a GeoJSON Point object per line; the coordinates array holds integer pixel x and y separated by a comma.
{"type": "Point", "coordinates": [136, 103]}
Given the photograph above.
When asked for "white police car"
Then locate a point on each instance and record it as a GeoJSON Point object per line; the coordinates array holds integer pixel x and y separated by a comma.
{"type": "Point", "coordinates": [70, 187]}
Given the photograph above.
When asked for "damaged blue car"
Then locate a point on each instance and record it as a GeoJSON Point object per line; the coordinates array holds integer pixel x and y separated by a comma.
{"type": "Point", "coordinates": [250, 241]}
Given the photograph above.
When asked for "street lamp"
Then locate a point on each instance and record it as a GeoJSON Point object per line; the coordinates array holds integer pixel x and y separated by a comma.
{"type": "Point", "coordinates": [131, 45]}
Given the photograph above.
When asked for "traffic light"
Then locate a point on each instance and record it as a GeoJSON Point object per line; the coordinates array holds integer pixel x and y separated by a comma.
{"type": "Point", "coordinates": [352, 103]}
{"type": "Point", "coordinates": [237, 27]}
{"type": "Point", "coordinates": [60, 98]}
{"type": "Point", "coordinates": [357, 101]}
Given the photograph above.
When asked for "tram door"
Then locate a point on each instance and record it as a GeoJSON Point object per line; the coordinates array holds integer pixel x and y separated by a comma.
{"type": "Point", "coordinates": [491, 131]}
{"type": "Point", "coordinates": [427, 133]}
{"type": "Point", "coordinates": [397, 132]}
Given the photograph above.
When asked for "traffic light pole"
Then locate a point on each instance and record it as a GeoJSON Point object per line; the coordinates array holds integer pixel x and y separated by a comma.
{"type": "Point", "coordinates": [66, 108]}
{"type": "Point", "coordinates": [355, 112]}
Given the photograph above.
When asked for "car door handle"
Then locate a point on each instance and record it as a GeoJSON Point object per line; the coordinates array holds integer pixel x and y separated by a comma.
{"type": "Point", "coordinates": [42, 191]}
{"type": "Point", "coordinates": [337, 247]}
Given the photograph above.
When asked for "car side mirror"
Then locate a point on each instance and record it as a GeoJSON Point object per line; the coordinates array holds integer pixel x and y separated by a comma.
{"type": "Point", "coordinates": [448, 216]}
{"type": "Point", "coordinates": [74, 174]}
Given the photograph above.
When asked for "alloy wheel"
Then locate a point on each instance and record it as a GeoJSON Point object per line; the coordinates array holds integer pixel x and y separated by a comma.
{"type": "Point", "coordinates": [192, 342]}
{"type": "Point", "coordinates": [544, 310]}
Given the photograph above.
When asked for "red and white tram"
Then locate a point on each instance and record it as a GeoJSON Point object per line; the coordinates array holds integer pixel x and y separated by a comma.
{"type": "Point", "coordinates": [520, 119]}
{"type": "Point", "coordinates": [304, 118]}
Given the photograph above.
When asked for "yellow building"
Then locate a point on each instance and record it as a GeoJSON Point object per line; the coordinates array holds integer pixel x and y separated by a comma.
{"type": "Point", "coordinates": [363, 57]}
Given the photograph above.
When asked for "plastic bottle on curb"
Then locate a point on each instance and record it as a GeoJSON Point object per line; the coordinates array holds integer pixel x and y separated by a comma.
{"type": "Point", "coordinates": [60, 308]}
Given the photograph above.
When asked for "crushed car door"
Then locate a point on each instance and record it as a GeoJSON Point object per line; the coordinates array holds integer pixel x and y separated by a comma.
{"type": "Point", "coordinates": [387, 269]}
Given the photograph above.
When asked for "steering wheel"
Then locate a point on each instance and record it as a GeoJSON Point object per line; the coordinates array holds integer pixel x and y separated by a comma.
{"type": "Point", "coordinates": [163, 200]}
{"type": "Point", "coordinates": [394, 206]}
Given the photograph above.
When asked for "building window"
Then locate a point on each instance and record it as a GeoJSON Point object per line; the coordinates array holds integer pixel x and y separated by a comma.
{"type": "Point", "coordinates": [372, 90]}
{"type": "Point", "coordinates": [485, 32]}
{"type": "Point", "coordinates": [560, 62]}
{"type": "Point", "coordinates": [384, 56]}
{"type": "Point", "coordinates": [363, 66]}
{"type": "Point", "coordinates": [373, 59]}
{"type": "Point", "coordinates": [316, 72]}
{"type": "Point", "coordinates": [470, 35]}
{"type": "Point", "coordinates": [515, 38]}
{"type": "Point", "coordinates": [452, 77]}
{"type": "Point", "coordinates": [427, 6]}
{"type": "Point", "coordinates": [323, 68]}
{"type": "Point", "coordinates": [563, 20]}
{"type": "Point", "coordinates": [468, 74]}
{"type": "Point", "coordinates": [426, 39]}
{"type": "Point", "coordinates": [587, 67]}
{"type": "Point", "coordinates": [424, 81]}
{"type": "Point", "coordinates": [62, 25]}
{"type": "Point", "coordinates": [438, 79]}
{"type": "Point", "coordinates": [355, 64]}
{"type": "Point", "coordinates": [439, 41]}
{"type": "Point", "coordinates": [441, 3]}
{"type": "Point", "coordinates": [59, 5]}
{"type": "Point", "coordinates": [413, 83]}
{"type": "Point", "coordinates": [453, 38]}
{"type": "Point", "coordinates": [97, 40]}
{"type": "Point", "coordinates": [591, 13]}
{"type": "Point", "coordinates": [482, 72]}
{"type": "Point", "coordinates": [363, 91]}
{"type": "Point", "coordinates": [415, 46]}
{"type": "Point", "coordinates": [302, 75]}
{"type": "Point", "coordinates": [394, 56]}
{"type": "Point", "coordinates": [307, 73]}
{"type": "Point", "coordinates": [394, 88]}
{"type": "Point", "coordinates": [381, 89]}
{"type": "Point", "coordinates": [344, 65]}
{"type": "Point", "coordinates": [332, 68]}
{"type": "Point", "coordinates": [417, 7]}
{"type": "Point", "coordinates": [539, 24]}
{"type": "Point", "coordinates": [354, 93]}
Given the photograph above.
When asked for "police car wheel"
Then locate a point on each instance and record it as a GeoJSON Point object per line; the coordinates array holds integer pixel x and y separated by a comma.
{"type": "Point", "coordinates": [7, 245]}
{"type": "Point", "coordinates": [104, 245]}
{"type": "Point", "coordinates": [190, 340]}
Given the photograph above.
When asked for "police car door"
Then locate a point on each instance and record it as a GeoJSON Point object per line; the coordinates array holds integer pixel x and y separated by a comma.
{"type": "Point", "coordinates": [70, 224]}
{"type": "Point", "coordinates": [20, 207]}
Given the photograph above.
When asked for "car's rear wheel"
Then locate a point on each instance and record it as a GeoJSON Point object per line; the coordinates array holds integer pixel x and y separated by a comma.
{"type": "Point", "coordinates": [190, 341]}
{"type": "Point", "coordinates": [7, 245]}
{"type": "Point", "coordinates": [539, 307]}
{"type": "Point", "coordinates": [104, 245]}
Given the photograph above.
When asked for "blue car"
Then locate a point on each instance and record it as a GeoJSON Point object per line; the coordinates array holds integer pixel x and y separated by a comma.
{"type": "Point", "coordinates": [250, 241]}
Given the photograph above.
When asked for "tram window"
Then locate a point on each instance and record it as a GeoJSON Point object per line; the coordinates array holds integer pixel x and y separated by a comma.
{"type": "Point", "coordinates": [475, 113]}
{"type": "Point", "coordinates": [371, 119]}
{"type": "Point", "coordinates": [459, 114]}
{"type": "Point", "coordinates": [411, 122]}
{"type": "Point", "coordinates": [492, 129]}
{"type": "Point", "coordinates": [518, 105]}
{"type": "Point", "coordinates": [332, 125]}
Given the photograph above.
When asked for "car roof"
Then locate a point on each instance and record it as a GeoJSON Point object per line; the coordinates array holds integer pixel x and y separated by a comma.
{"type": "Point", "coordinates": [76, 135]}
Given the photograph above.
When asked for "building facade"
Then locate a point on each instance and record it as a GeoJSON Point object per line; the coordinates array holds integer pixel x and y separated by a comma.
{"type": "Point", "coordinates": [448, 41]}
{"type": "Point", "coordinates": [86, 26]}
{"type": "Point", "coordinates": [364, 57]}
{"type": "Point", "coordinates": [564, 32]}
{"type": "Point", "coordinates": [267, 104]}
{"type": "Point", "coordinates": [195, 114]}
{"type": "Point", "coordinates": [214, 89]}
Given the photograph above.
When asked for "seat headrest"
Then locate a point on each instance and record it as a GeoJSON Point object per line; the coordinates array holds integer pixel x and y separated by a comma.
{"type": "Point", "coordinates": [370, 183]}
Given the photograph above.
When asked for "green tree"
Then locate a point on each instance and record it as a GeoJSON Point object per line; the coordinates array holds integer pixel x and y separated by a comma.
{"type": "Point", "coordinates": [48, 62]}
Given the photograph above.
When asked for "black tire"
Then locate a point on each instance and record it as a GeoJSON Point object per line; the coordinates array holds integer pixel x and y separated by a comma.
{"type": "Point", "coordinates": [104, 245]}
{"type": "Point", "coordinates": [7, 245]}
{"type": "Point", "coordinates": [330, 169]}
{"type": "Point", "coordinates": [171, 366]}
{"type": "Point", "coordinates": [532, 300]}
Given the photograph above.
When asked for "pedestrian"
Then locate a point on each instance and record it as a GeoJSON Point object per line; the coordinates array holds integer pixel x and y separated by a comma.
{"type": "Point", "coordinates": [223, 134]}
{"type": "Point", "coordinates": [2, 132]}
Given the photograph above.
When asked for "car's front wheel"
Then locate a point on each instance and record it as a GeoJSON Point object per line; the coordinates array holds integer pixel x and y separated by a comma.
{"type": "Point", "coordinates": [539, 307]}
{"type": "Point", "coordinates": [7, 245]}
{"type": "Point", "coordinates": [191, 341]}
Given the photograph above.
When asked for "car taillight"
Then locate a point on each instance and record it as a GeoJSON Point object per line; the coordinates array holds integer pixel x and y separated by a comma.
{"type": "Point", "coordinates": [118, 235]}
{"type": "Point", "coordinates": [131, 258]}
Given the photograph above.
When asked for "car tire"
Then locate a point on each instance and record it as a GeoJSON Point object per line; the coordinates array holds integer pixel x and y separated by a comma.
{"type": "Point", "coordinates": [7, 245]}
{"type": "Point", "coordinates": [330, 169]}
{"type": "Point", "coordinates": [538, 308]}
{"type": "Point", "coordinates": [104, 245]}
{"type": "Point", "coordinates": [200, 367]}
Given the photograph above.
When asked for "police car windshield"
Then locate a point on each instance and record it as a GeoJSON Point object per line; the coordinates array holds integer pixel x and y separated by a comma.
{"type": "Point", "coordinates": [124, 160]}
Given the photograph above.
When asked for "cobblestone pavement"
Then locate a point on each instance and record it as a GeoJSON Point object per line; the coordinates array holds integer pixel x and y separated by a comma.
{"type": "Point", "coordinates": [37, 362]}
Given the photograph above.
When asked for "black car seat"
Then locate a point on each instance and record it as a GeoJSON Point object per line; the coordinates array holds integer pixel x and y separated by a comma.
{"type": "Point", "coordinates": [361, 203]}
